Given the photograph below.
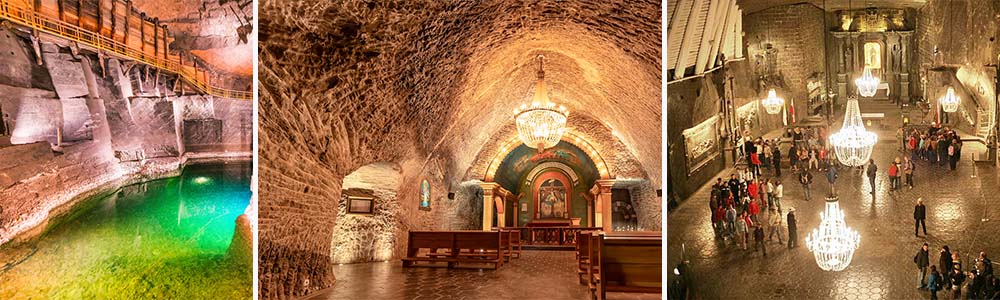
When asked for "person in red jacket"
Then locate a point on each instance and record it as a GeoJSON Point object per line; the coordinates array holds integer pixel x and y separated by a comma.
{"type": "Point", "coordinates": [752, 189]}
{"type": "Point", "coordinates": [754, 210]}
{"type": "Point", "coordinates": [893, 176]}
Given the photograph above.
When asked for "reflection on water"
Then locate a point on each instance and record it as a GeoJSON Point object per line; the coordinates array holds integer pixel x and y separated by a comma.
{"type": "Point", "coordinates": [160, 239]}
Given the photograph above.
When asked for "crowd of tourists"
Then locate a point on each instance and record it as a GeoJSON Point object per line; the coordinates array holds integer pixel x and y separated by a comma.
{"type": "Point", "coordinates": [976, 282]}
{"type": "Point", "coordinates": [935, 144]}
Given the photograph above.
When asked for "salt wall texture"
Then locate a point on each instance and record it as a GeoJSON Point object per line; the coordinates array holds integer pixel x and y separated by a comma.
{"type": "Point", "coordinates": [425, 85]}
{"type": "Point", "coordinates": [796, 35]}
{"type": "Point", "coordinates": [112, 129]}
{"type": "Point", "coordinates": [965, 34]}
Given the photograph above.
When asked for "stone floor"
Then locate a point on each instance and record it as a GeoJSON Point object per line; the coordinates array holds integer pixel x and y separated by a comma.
{"type": "Point", "coordinates": [536, 275]}
{"type": "Point", "coordinates": [882, 268]}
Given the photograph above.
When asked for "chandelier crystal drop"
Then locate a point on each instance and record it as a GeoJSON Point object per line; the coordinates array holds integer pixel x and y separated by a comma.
{"type": "Point", "coordinates": [541, 124]}
{"type": "Point", "coordinates": [949, 103]}
{"type": "Point", "coordinates": [772, 104]}
{"type": "Point", "coordinates": [867, 84]}
{"type": "Point", "coordinates": [853, 144]}
{"type": "Point", "coordinates": [833, 243]}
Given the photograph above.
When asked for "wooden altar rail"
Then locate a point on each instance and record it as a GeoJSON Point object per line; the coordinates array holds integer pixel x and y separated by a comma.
{"type": "Point", "coordinates": [555, 235]}
{"type": "Point", "coordinates": [114, 27]}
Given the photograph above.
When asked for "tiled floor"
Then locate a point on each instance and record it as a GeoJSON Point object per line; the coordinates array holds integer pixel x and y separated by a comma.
{"type": "Point", "coordinates": [536, 275]}
{"type": "Point", "coordinates": [882, 267]}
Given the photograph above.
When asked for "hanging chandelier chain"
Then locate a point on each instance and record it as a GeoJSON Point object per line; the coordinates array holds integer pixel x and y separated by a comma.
{"type": "Point", "coordinates": [541, 67]}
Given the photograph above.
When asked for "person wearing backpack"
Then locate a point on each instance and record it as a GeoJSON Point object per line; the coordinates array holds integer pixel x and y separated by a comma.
{"type": "Point", "coordinates": [922, 259]}
{"type": "Point", "coordinates": [934, 282]}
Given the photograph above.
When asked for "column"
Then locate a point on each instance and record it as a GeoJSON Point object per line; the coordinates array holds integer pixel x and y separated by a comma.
{"type": "Point", "coordinates": [904, 67]}
{"type": "Point", "coordinates": [602, 203]}
{"type": "Point", "coordinates": [493, 199]}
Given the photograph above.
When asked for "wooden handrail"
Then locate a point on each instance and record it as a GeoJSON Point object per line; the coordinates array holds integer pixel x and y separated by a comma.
{"type": "Point", "coordinates": [22, 14]}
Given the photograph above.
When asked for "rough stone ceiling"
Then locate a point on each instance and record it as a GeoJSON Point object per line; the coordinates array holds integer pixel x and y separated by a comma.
{"type": "Point", "coordinates": [751, 6]}
{"type": "Point", "coordinates": [351, 82]}
{"type": "Point", "coordinates": [208, 29]}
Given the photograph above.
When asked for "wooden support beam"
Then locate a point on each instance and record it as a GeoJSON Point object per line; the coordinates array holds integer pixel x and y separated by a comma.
{"type": "Point", "coordinates": [62, 14]}
{"type": "Point", "coordinates": [156, 37]}
{"type": "Point", "coordinates": [688, 41]}
{"type": "Point", "coordinates": [712, 21]}
{"type": "Point", "coordinates": [128, 16]}
{"type": "Point", "coordinates": [674, 31]}
{"type": "Point", "coordinates": [79, 13]}
{"type": "Point", "coordinates": [717, 36]}
{"type": "Point", "coordinates": [738, 33]}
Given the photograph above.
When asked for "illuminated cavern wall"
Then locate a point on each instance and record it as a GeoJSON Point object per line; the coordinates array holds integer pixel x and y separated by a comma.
{"type": "Point", "coordinates": [117, 121]}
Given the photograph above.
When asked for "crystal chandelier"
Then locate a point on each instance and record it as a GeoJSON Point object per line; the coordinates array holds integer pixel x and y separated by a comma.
{"type": "Point", "coordinates": [772, 104]}
{"type": "Point", "coordinates": [853, 144]}
{"type": "Point", "coordinates": [833, 243]}
{"type": "Point", "coordinates": [949, 103]}
{"type": "Point", "coordinates": [541, 124]}
{"type": "Point", "coordinates": [867, 84]}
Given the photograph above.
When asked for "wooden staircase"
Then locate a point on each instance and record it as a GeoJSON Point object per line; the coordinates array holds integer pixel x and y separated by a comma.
{"type": "Point", "coordinates": [984, 123]}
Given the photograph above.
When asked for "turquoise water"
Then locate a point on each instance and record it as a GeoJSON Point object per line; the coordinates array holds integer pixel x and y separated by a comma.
{"type": "Point", "coordinates": [163, 239]}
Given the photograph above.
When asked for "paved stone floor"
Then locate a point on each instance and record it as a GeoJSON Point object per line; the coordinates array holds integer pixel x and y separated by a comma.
{"type": "Point", "coordinates": [882, 267]}
{"type": "Point", "coordinates": [536, 275]}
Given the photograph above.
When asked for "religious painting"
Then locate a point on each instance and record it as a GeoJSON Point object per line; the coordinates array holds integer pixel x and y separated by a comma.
{"type": "Point", "coordinates": [873, 55]}
{"type": "Point", "coordinates": [552, 200]}
{"type": "Point", "coordinates": [360, 205]}
{"type": "Point", "coordinates": [425, 195]}
{"type": "Point", "coordinates": [560, 155]}
{"type": "Point", "coordinates": [701, 144]}
{"type": "Point", "coordinates": [551, 194]}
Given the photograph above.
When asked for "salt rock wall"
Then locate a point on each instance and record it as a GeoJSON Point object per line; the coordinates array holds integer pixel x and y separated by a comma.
{"type": "Point", "coordinates": [108, 135]}
{"type": "Point", "coordinates": [368, 237]}
{"type": "Point", "coordinates": [648, 207]}
{"type": "Point", "coordinates": [216, 124]}
{"type": "Point", "coordinates": [466, 209]}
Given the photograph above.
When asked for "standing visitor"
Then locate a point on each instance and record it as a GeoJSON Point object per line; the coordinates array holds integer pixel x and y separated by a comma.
{"type": "Point", "coordinates": [792, 229]}
{"type": "Point", "coordinates": [731, 223]}
{"type": "Point", "coordinates": [752, 187]}
{"type": "Point", "coordinates": [893, 175]}
{"type": "Point", "coordinates": [922, 260]}
{"type": "Point", "coordinates": [985, 265]}
{"type": "Point", "coordinates": [944, 261]}
{"type": "Point", "coordinates": [718, 224]}
{"type": "Point", "coordinates": [734, 186]}
{"type": "Point", "coordinates": [872, 169]}
{"type": "Point", "coordinates": [793, 157]}
{"type": "Point", "coordinates": [934, 282]}
{"type": "Point", "coordinates": [765, 161]}
{"type": "Point", "coordinates": [754, 210]}
{"type": "Point", "coordinates": [957, 278]}
{"type": "Point", "coordinates": [741, 230]}
{"type": "Point", "coordinates": [770, 193]}
{"type": "Point", "coordinates": [779, 191]}
{"type": "Point", "coordinates": [908, 167]}
{"type": "Point", "coordinates": [813, 159]}
{"type": "Point", "coordinates": [774, 220]}
{"type": "Point", "coordinates": [919, 216]}
{"type": "Point", "coordinates": [755, 164]}
{"type": "Point", "coordinates": [805, 178]}
{"type": "Point", "coordinates": [831, 176]}
{"type": "Point", "coordinates": [776, 154]}
{"type": "Point", "coordinates": [952, 157]}
{"type": "Point", "coordinates": [758, 235]}
{"type": "Point", "coordinates": [942, 147]}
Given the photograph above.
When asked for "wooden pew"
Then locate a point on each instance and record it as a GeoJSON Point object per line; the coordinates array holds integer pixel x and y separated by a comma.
{"type": "Point", "coordinates": [454, 247]}
{"type": "Point", "coordinates": [628, 262]}
{"type": "Point", "coordinates": [583, 254]}
{"type": "Point", "coordinates": [433, 241]}
{"type": "Point", "coordinates": [515, 243]}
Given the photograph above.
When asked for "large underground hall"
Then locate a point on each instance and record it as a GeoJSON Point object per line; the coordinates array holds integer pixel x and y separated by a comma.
{"type": "Point", "coordinates": [460, 149]}
{"type": "Point", "coordinates": [126, 149]}
{"type": "Point", "coordinates": [832, 149]}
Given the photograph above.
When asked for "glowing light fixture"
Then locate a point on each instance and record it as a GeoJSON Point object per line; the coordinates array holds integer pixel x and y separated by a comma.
{"type": "Point", "coordinates": [833, 243]}
{"type": "Point", "coordinates": [949, 103]}
{"type": "Point", "coordinates": [201, 180]}
{"type": "Point", "coordinates": [867, 84]}
{"type": "Point", "coordinates": [853, 144]}
{"type": "Point", "coordinates": [772, 104]}
{"type": "Point", "coordinates": [541, 124]}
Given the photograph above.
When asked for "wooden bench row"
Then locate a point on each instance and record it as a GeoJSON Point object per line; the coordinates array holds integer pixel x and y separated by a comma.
{"type": "Point", "coordinates": [619, 262]}
{"type": "Point", "coordinates": [431, 248]}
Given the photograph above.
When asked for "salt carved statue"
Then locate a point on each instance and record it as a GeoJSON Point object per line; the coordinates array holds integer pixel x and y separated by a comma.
{"type": "Point", "coordinates": [848, 55]}
{"type": "Point", "coordinates": [897, 57]}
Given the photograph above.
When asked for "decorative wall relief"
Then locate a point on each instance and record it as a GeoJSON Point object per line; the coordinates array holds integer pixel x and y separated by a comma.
{"type": "Point", "coordinates": [701, 144]}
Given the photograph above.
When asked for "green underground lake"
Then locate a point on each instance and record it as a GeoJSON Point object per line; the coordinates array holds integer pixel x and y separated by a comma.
{"type": "Point", "coordinates": [161, 239]}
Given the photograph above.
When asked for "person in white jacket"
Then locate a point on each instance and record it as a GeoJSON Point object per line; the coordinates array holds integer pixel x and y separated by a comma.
{"type": "Point", "coordinates": [778, 193]}
{"type": "Point", "coordinates": [774, 221]}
